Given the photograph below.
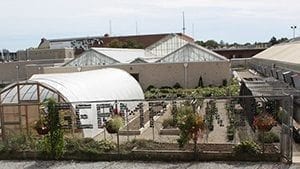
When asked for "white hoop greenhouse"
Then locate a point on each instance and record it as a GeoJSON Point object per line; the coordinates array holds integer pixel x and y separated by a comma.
{"type": "Point", "coordinates": [21, 98]}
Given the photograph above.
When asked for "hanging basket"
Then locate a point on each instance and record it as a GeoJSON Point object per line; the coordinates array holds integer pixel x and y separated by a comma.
{"type": "Point", "coordinates": [42, 130]}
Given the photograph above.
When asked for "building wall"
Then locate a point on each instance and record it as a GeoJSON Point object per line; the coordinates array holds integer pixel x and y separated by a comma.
{"type": "Point", "coordinates": [240, 62]}
{"type": "Point", "coordinates": [238, 53]}
{"type": "Point", "coordinates": [167, 74]}
{"type": "Point", "coordinates": [22, 70]}
{"type": "Point", "coordinates": [38, 54]}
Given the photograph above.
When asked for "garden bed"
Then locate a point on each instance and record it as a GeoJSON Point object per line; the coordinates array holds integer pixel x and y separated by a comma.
{"type": "Point", "coordinates": [169, 131]}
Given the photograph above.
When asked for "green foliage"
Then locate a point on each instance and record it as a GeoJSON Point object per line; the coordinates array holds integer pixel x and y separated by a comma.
{"type": "Point", "coordinates": [53, 142]}
{"type": "Point", "coordinates": [150, 87]}
{"type": "Point", "coordinates": [230, 90]}
{"type": "Point", "coordinates": [20, 142]}
{"type": "Point", "coordinates": [230, 132]}
{"type": "Point", "coordinates": [210, 111]}
{"type": "Point", "coordinates": [200, 82]}
{"type": "Point", "coordinates": [210, 44]}
{"type": "Point", "coordinates": [247, 147]}
{"type": "Point", "coordinates": [224, 82]}
{"type": "Point", "coordinates": [114, 124]}
{"type": "Point", "coordinates": [88, 145]}
{"type": "Point", "coordinates": [268, 137]}
{"type": "Point", "coordinates": [2, 147]}
{"type": "Point", "coordinates": [142, 144]}
{"type": "Point", "coordinates": [125, 44]}
{"type": "Point", "coordinates": [177, 86]}
{"type": "Point", "coordinates": [190, 125]}
{"type": "Point", "coordinates": [169, 123]}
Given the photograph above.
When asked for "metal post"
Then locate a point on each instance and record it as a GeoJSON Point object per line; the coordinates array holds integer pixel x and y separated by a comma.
{"type": "Point", "coordinates": [127, 123]}
{"type": "Point", "coordinates": [291, 128]}
{"type": "Point", "coordinates": [294, 29]}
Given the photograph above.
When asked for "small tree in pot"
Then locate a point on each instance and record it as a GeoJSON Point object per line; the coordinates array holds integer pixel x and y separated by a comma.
{"type": "Point", "coordinates": [264, 123]}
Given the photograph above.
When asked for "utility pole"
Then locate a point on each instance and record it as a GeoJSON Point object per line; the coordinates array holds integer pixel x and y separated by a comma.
{"type": "Point", "coordinates": [183, 23]}
{"type": "Point", "coordinates": [110, 29]}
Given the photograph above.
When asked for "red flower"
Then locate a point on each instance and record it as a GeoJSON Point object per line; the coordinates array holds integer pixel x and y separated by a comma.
{"type": "Point", "coordinates": [264, 122]}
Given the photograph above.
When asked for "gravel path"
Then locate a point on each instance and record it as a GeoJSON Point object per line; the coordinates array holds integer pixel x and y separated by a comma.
{"type": "Point", "coordinates": [142, 165]}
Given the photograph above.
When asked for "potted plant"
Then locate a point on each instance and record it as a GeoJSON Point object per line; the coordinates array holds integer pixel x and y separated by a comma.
{"type": "Point", "coordinates": [264, 122]}
{"type": "Point", "coordinates": [114, 124]}
{"type": "Point", "coordinates": [41, 126]}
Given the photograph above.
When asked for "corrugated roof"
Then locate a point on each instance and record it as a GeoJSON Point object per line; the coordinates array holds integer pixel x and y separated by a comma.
{"type": "Point", "coordinates": [286, 52]}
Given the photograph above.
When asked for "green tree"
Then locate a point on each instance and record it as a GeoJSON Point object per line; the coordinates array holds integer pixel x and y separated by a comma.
{"type": "Point", "coordinates": [273, 41]}
{"type": "Point", "coordinates": [190, 125]}
{"type": "Point", "coordinates": [116, 44]}
{"type": "Point", "coordinates": [211, 44]}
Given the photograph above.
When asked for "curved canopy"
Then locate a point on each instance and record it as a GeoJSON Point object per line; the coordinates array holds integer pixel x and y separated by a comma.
{"type": "Point", "coordinates": [96, 85]}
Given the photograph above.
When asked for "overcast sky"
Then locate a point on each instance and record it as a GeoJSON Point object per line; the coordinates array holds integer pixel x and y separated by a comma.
{"type": "Point", "coordinates": [25, 22]}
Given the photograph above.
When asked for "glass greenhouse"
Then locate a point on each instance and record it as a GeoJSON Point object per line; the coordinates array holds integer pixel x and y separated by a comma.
{"type": "Point", "coordinates": [170, 49]}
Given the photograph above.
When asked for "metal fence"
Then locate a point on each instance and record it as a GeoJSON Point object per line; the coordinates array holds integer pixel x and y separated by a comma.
{"type": "Point", "coordinates": [228, 120]}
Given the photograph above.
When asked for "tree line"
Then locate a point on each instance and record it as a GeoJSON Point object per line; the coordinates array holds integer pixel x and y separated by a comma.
{"type": "Point", "coordinates": [212, 44]}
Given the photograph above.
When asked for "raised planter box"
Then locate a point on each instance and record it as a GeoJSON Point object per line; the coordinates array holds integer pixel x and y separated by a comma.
{"type": "Point", "coordinates": [174, 131]}
{"type": "Point", "coordinates": [129, 132]}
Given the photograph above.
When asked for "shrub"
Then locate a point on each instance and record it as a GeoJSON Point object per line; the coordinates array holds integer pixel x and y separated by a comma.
{"type": "Point", "coordinates": [88, 145]}
{"type": "Point", "coordinates": [230, 132]}
{"type": "Point", "coordinates": [177, 86]}
{"type": "Point", "coordinates": [200, 82]}
{"type": "Point", "coordinates": [224, 82]}
{"type": "Point", "coordinates": [150, 87]}
{"type": "Point", "coordinates": [165, 87]}
{"type": "Point", "coordinates": [169, 123]}
{"type": "Point", "coordinates": [268, 137]}
{"type": "Point", "coordinates": [2, 147]}
{"type": "Point", "coordinates": [20, 142]}
{"type": "Point", "coordinates": [247, 147]}
{"type": "Point", "coordinates": [114, 124]}
{"type": "Point", "coordinates": [190, 125]}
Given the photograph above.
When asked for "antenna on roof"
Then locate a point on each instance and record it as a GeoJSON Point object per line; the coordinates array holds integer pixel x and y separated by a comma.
{"type": "Point", "coordinates": [183, 23]}
{"type": "Point", "coordinates": [193, 30]}
{"type": "Point", "coordinates": [110, 31]}
{"type": "Point", "coordinates": [136, 28]}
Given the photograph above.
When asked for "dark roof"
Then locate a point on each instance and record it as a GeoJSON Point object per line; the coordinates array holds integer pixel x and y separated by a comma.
{"type": "Point", "coordinates": [144, 40]}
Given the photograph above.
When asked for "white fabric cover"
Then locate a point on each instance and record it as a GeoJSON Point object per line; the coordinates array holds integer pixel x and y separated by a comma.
{"type": "Point", "coordinates": [96, 85]}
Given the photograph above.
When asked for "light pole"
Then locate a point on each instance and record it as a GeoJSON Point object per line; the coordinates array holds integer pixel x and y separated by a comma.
{"type": "Point", "coordinates": [185, 65]}
{"type": "Point", "coordinates": [17, 67]}
{"type": "Point", "coordinates": [294, 29]}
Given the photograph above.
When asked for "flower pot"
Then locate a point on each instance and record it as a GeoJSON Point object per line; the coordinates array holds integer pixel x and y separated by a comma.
{"type": "Point", "coordinates": [42, 130]}
{"type": "Point", "coordinates": [111, 130]}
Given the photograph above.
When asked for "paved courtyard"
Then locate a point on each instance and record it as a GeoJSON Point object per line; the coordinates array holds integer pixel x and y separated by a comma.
{"type": "Point", "coordinates": [140, 165]}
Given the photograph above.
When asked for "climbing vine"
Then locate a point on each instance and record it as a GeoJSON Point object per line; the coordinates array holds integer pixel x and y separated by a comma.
{"type": "Point", "coordinates": [53, 142]}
